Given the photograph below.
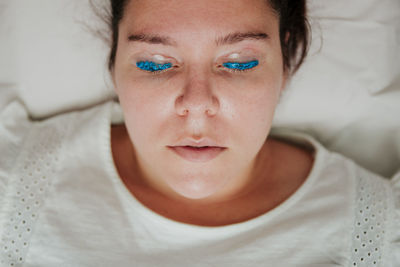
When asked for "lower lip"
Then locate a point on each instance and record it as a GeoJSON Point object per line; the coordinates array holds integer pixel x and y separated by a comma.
{"type": "Point", "coordinates": [197, 154]}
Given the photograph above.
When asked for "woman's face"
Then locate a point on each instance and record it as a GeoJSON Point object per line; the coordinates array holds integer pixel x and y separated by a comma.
{"type": "Point", "coordinates": [198, 82]}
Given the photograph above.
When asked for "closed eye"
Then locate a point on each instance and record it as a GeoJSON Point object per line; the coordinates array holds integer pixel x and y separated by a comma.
{"type": "Point", "coordinates": [241, 66]}
{"type": "Point", "coordinates": [151, 66]}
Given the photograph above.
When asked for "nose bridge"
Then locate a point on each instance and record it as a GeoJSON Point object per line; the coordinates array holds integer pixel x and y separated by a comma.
{"type": "Point", "coordinates": [197, 88]}
{"type": "Point", "coordinates": [197, 95]}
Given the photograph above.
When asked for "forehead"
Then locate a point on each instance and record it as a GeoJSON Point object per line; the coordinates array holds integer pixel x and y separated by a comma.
{"type": "Point", "coordinates": [174, 16]}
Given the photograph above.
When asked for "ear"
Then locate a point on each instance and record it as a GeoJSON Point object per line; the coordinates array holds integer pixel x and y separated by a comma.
{"type": "Point", "coordinates": [285, 79]}
{"type": "Point", "coordinates": [286, 71]}
{"type": "Point", "coordinates": [287, 36]}
{"type": "Point", "coordinates": [112, 75]}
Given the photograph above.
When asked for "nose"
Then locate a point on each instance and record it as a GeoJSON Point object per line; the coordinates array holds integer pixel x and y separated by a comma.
{"type": "Point", "coordinates": [197, 98]}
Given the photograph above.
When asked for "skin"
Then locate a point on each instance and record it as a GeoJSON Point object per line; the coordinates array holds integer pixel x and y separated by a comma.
{"type": "Point", "coordinates": [202, 99]}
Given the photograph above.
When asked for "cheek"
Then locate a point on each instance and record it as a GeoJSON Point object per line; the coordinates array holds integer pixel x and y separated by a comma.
{"type": "Point", "coordinates": [256, 114]}
{"type": "Point", "coordinates": [253, 108]}
{"type": "Point", "coordinates": [255, 98]}
{"type": "Point", "coordinates": [145, 111]}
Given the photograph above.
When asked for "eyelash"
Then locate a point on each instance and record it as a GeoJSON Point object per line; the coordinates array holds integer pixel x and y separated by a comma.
{"type": "Point", "coordinates": [240, 66]}
{"type": "Point", "coordinates": [155, 68]}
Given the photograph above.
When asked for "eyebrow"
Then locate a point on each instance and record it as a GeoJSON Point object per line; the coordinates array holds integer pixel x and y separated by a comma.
{"type": "Point", "coordinates": [240, 36]}
{"type": "Point", "coordinates": [231, 38]}
{"type": "Point", "coordinates": [151, 39]}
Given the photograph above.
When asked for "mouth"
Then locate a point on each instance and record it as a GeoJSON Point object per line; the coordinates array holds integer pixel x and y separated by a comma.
{"type": "Point", "coordinates": [197, 153]}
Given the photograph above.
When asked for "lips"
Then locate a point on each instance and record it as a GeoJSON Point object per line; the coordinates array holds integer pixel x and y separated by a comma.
{"type": "Point", "coordinates": [197, 154]}
{"type": "Point", "coordinates": [197, 150]}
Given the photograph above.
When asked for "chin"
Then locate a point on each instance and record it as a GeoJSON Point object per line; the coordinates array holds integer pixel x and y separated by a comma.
{"type": "Point", "coordinates": [195, 187]}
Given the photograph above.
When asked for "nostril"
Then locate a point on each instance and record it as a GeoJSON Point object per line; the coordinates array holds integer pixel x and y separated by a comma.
{"type": "Point", "coordinates": [196, 101]}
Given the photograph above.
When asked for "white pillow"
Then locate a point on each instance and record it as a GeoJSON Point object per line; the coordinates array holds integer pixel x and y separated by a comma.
{"type": "Point", "coordinates": [347, 93]}
{"type": "Point", "coordinates": [52, 55]}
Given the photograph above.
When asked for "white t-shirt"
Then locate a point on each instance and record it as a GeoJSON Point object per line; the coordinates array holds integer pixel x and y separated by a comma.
{"type": "Point", "coordinates": [62, 203]}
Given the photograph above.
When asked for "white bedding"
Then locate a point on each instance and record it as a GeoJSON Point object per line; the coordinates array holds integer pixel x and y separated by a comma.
{"type": "Point", "coordinates": [347, 94]}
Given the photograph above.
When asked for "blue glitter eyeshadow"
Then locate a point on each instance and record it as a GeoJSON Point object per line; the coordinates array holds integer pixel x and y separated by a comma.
{"type": "Point", "coordinates": [151, 66]}
{"type": "Point", "coordinates": [241, 66]}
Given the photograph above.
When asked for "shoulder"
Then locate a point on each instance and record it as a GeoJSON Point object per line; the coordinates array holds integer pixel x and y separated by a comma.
{"type": "Point", "coordinates": [299, 145]}
{"type": "Point", "coordinates": [25, 141]}
{"type": "Point", "coordinates": [393, 240]}
{"type": "Point", "coordinates": [376, 218]}
{"type": "Point", "coordinates": [371, 202]}
{"type": "Point", "coordinates": [14, 128]}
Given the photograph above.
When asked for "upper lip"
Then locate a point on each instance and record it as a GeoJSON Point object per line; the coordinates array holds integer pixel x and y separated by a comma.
{"type": "Point", "coordinates": [204, 142]}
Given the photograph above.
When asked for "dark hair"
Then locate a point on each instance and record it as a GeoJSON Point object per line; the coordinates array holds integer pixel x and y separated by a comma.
{"type": "Point", "coordinates": [293, 30]}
